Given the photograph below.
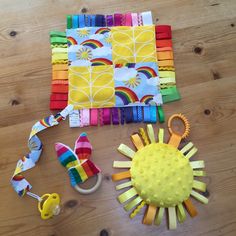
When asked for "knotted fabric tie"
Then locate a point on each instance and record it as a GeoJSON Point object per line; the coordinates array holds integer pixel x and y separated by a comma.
{"type": "Point", "coordinates": [77, 162]}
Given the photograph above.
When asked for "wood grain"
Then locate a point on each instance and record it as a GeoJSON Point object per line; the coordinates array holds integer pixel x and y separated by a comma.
{"type": "Point", "coordinates": [204, 35]}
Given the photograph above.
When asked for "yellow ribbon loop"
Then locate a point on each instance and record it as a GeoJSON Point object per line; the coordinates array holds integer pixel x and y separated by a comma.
{"type": "Point", "coordinates": [127, 195]}
{"type": "Point", "coordinates": [133, 203]}
{"type": "Point", "coordinates": [122, 164]}
{"type": "Point", "coordinates": [199, 173]}
{"type": "Point", "coordinates": [187, 147]}
{"type": "Point", "coordinates": [199, 185]}
{"type": "Point", "coordinates": [159, 216]}
{"type": "Point", "coordinates": [181, 213]}
{"type": "Point", "coordinates": [161, 135]}
{"type": "Point", "coordinates": [137, 141]}
{"type": "Point", "coordinates": [144, 136]}
{"type": "Point", "coordinates": [125, 150]}
{"type": "Point", "coordinates": [190, 208]}
{"type": "Point", "coordinates": [191, 153]}
{"type": "Point", "coordinates": [137, 209]}
{"type": "Point", "coordinates": [199, 197]}
{"type": "Point", "coordinates": [172, 218]}
{"type": "Point", "coordinates": [151, 134]}
{"type": "Point", "coordinates": [124, 185]}
{"type": "Point", "coordinates": [167, 74]}
{"type": "Point", "coordinates": [197, 164]}
{"type": "Point", "coordinates": [121, 175]}
{"type": "Point", "coordinates": [149, 215]}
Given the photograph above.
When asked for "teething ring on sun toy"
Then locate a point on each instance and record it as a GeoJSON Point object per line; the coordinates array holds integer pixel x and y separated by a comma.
{"type": "Point", "coordinates": [176, 138]}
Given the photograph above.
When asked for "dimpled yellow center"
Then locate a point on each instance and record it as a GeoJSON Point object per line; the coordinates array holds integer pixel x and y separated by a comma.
{"type": "Point", "coordinates": [161, 175]}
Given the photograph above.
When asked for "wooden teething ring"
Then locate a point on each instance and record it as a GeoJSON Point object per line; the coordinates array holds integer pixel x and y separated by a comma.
{"type": "Point", "coordinates": [91, 190]}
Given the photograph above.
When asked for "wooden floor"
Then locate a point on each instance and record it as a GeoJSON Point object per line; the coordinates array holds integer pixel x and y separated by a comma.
{"type": "Point", "coordinates": [204, 35]}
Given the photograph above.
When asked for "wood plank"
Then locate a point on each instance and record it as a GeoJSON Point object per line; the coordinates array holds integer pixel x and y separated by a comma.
{"type": "Point", "coordinates": [204, 39]}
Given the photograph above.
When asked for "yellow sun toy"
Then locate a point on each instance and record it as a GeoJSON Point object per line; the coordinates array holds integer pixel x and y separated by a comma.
{"type": "Point", "coordinates": [160, 175]}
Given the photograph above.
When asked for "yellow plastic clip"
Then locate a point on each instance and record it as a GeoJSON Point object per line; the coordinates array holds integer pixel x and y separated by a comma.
{"type": "Point", "coordinates": [49, 205]}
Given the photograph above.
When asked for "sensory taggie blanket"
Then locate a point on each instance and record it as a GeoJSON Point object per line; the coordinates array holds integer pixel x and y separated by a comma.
{"type": "Point", "coordinates": [113, 69]}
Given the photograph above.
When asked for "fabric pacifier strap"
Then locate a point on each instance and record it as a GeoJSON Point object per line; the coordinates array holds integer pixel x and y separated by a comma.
{"type": "Point", "coordinates": [18, 181]}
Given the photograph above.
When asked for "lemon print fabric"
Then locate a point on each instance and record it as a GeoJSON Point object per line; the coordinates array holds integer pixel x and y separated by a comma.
{"type": "Point", "coordinates": [91, 87]}
{"type": "Point", "coordinates": [133, 44]}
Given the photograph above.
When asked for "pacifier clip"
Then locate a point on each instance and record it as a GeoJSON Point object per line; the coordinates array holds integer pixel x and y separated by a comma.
{"type": "Point", "coordinates": [80, 169]}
